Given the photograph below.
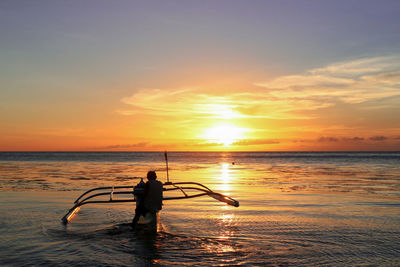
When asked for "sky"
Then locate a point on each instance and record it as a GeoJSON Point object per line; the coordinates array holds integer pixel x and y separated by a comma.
{"type": "Point", "coordinates": [199, 75]}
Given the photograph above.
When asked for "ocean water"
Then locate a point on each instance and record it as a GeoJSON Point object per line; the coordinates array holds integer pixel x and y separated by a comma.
{"type": "Point", "coordinates": [296, 209]}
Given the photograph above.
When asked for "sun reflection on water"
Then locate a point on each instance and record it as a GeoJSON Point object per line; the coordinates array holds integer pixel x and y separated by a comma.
{"type": "Point", "coordinates": [225, 177]}
{"type": "Point", "coordinates": [227, 218]}
{"type": "Point", "coordinates": [227, 228]}
{"type": "Point", "coordinates": [227, 225]}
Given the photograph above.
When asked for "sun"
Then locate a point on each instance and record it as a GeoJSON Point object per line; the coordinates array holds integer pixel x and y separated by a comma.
{"type": "Point", "coordinates": [224, 134]}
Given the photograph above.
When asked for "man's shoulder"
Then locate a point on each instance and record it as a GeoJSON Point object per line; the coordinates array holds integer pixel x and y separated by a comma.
{"type": "Point", "coordinates": [155, 182]}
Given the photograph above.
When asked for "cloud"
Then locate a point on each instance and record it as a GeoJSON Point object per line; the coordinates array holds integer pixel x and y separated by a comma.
{"type": "Point", "coordinates": [356, 67]}
{"type": "Point", "coordinates": [328, 139]}
{"type": "Point", "coordinates": [256, 142]}
{"type": "Point", "coordinates": [333, 139]}
{"type": "Point", "coordinates": [378, 138]}
{"type": "Point", "coordinates": [125, 146]}
{"type": "Point", "coordinates": [285, 97]}
{"type": "Point", "coordinates": [355, 139]}
{"type": "Point", "coordinates": [351, 139]}
{"type": "Point", "coordinates": [350, 82]}
{"type": "Point", "coordinates": [195, 104]}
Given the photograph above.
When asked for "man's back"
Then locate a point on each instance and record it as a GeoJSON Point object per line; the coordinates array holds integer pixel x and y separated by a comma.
{"type": "Point", "coordinates": [154, 195]}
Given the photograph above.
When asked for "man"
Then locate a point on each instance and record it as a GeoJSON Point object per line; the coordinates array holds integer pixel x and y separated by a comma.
{"type": "Point", "coordinates": [151, 200]}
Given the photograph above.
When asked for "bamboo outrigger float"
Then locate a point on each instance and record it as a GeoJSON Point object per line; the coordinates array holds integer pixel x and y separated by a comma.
{"type": "Point", "coordinates": [129, 195]}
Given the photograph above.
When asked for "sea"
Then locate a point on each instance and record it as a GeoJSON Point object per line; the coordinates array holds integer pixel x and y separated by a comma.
{"type": "Point", "coordinates": [296, 209]}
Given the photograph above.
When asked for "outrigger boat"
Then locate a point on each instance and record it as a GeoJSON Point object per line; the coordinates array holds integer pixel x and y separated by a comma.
{"type": "Point", "coordinates": [92, 196]}
{"type": "Point", "coordinates": [97, 195]}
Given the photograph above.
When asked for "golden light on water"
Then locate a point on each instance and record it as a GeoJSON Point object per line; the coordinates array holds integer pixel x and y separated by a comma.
{"type": "Point", "coordinates": [225, 177]}
{"type": "Point", "coordinates": [225, 172]}
{"type": "Point", "coordinates": [227, 220]}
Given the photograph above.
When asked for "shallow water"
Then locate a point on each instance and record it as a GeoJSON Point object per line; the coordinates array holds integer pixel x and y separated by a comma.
{"type": "Point", "coordinates": [297, 208]}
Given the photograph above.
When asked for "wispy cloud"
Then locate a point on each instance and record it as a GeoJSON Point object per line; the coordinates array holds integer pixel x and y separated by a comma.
{"type": "Point", "coordinates": [351, 82]}
{"type": "Point", "coordinates": [123, 146]}
{"type": "Point", "coordinates": [354, 139]}
{"type": "Point", "coordinates": [357, 67]}
{"type": "Point", "coordinates": [378, 138]}
{"type": "Point", "coordinates": [284, 97]}
{"type": "Point", "coordinates": [244, 144]}
{"type": "Point", "coordinates": [256, 142]}
{"type": "Point", "coordinates": [196, 104]}
{"type": "Point", "coordinates": [328, 139]}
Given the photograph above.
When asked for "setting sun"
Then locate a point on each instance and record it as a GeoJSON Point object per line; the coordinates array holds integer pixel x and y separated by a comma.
{"type": "Point", "coordinates": [224, 134]}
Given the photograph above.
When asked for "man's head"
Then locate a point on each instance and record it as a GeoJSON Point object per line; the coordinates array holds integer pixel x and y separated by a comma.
{"type": "Point", "coordinates": [151, 175]}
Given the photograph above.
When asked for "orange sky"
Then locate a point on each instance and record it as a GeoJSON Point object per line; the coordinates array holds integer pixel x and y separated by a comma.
{"type": "Point", "coordinates": [342, 106]}
{"type": "Point", "coordinates": [240, 77]}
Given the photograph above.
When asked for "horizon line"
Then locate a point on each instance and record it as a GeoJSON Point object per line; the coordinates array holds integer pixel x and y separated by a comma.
{"type": "Point", "coordinates": [187, 151]}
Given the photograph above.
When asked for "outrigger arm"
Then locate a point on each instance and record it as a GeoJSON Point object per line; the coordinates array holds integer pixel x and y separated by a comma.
{"type": "Point", "coordinates": [86, 197]}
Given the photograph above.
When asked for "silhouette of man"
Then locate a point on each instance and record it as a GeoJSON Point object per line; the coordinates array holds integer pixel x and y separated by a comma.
{"type": "Point", "coordinates": [151, 201]}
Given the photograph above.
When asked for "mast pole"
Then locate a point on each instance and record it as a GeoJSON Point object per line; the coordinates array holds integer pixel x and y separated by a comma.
{"type": "Point", "coordinates": [166, 161]}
